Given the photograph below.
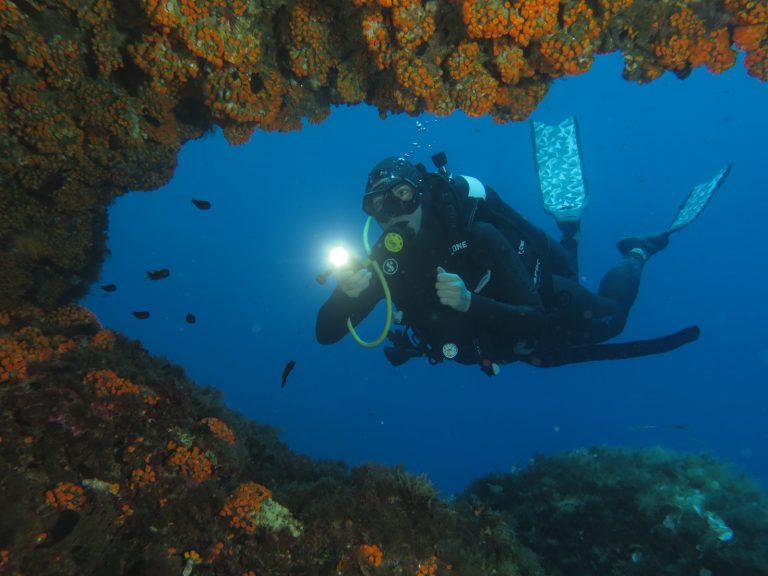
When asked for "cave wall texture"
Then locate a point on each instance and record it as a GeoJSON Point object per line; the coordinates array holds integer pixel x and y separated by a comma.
{"type": "Point", "coordinates": [98, 96]}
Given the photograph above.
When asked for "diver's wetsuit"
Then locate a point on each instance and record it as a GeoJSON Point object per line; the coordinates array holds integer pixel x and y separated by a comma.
{"type": "Point", "coordinates": [509, 319]}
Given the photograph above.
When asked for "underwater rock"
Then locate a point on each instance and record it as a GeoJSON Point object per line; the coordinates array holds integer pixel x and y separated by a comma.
{"type": "Point", "coordinates": [97, 98]}
{"type": "Point", "coordinates": [630, 512]}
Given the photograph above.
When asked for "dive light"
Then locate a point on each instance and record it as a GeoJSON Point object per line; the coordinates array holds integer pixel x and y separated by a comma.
{"type": "Point", "coordinates": [340, 258]}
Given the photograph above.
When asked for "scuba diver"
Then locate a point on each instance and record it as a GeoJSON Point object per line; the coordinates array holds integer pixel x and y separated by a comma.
{"type": "Point", "coordinates": [475, 282]}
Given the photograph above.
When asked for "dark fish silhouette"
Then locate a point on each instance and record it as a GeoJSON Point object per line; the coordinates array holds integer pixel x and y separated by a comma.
{"type": "Point", "coordinates": [202, 204]}
{"type": "Point", "coordinates": [140, 314]}
{"type": "Point", "coordinates": [190, 318]}
{"type": "Point", "coordinates": [109, 287]}
{"type": "Point", "coordinates": [286, 371]}
{"type": "Point", "coordinates": [158, 274]}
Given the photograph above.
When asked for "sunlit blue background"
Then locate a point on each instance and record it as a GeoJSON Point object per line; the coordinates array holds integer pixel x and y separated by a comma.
{"type": "Point", "coordinates": [246, 269]}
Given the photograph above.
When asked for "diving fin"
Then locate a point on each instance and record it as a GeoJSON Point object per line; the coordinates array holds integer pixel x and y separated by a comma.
{"type": "Point", "coordinates": [560, 171]}
{"type": "Point", "coordinates": [697, 200]}
{"type": "Point", "coordinates": [689, 210]}
{"type": "Point", "coordinates": [616, 351]}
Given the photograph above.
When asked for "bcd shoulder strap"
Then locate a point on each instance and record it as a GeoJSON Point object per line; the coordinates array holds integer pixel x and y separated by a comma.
{"type": "Point", "coordinates": [461, 201]}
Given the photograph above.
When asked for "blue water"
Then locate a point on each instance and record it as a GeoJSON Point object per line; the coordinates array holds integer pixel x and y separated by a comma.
{"type": "Point", "coordinates": [247, 269]}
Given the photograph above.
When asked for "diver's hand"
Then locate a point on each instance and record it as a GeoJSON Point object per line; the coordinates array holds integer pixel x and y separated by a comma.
{"type": "Point", "coordinates": [451, 291]}
{"type": "Point", "coordinates": [353, 282]}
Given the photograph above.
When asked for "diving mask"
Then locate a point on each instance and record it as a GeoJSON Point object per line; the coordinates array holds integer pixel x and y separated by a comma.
{"type": "Point", "coordinates": [396, 198]}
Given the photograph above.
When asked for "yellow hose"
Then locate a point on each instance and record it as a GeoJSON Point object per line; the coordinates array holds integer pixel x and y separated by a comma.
{"type": "Point", "coordinates": [387, 295]}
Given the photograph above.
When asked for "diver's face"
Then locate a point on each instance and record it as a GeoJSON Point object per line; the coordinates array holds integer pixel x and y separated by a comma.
{"type": "Point", "coordinates": [412, 220]}
{"type": "Point", "coordinates": [395, 205]}
{"type": "Point", "coordinates": [390, 200]}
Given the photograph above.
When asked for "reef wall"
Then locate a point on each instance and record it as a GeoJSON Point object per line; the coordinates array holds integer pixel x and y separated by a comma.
{"type": "Point", "coordinates": [114, 463]}
{"type": "Point", "coordinates": [97, 96]}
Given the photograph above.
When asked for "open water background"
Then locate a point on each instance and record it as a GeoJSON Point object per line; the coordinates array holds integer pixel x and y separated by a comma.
{"type": "Point", "coordinates": [246, 269]}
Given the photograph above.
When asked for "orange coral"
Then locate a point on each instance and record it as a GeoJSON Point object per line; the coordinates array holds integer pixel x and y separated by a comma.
{"type": "Point", "coordinates": [516, 103]}
{"type": "Point", "coordinates": [243, 505]}
{"type": "Point", "coordinates": [538, 20]}
{"type": "Point", "coordinates": [510, 61]}
{"type": "Point", "coordinates": [13, 361]}
{"type": "Point", "coordinates": [413, 23]}
{"type": "Point", "coordinates": [91, 93]}
{"type": "Point", "coordinates": [104, 339]}
{"type": "Point", "coordinates": [193, 556]}
{"type": "Point", "coordinates": [219, 429]}
{"type": "Point", "coordinates": [28, 345]}
{"type": "Point", "coordinates": [748, 12]}
{"type": "Point", "coordinates": [246, 97]}
{"type": "Point", "coordinates": [464, 60]}
{"type": "Point", "coordinates": [371, 554]}
{"type": "Point", "coordinates": [417, 75]}
{"type": "Point", "coordinates": [428, 567]}
{"type": "Point", "coordinates": [312, 51]}
{"type": "Point", "coordinates": [66, 496]}
{"type": "Point", "coordinates": [126, 511]}
{"type": "Point", "coordinates": [714, 51]}
{"type": "Point", "coordinates": [756, 63]}
{"type": "Point", "coordinates": [107, 384]}
{"type": "Point", "coordinates": [489, 18]}
{"type": "Point", "coordinates": [475, 94]}
{"type": "Point", "coordinates": [142, 477]}
{"type": "Point", "coordinates": [192, 463]}
{"type": "Point", "coordinates": [571, 49]}
{"type": "Point", "coordinates": [376, 35]}
{"type": "Point", "coordinates": [674, 50]}
{"type": "Point", "coordinates": [750, 37]}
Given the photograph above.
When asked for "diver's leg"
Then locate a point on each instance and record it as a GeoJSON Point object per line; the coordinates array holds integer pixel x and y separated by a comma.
{"type": "Point", "coordinates": [585, 317]}
{"type": "Point", "coordinates": [563, 255]}
{"type": "Point", "coordinates": [622, 282]}
{"type": "Point", "coordinates": [569, 242]}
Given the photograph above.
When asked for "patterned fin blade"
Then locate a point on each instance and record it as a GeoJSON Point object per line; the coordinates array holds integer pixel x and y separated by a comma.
{"type": "Point", "coordinates": [559, 167]}
{"type": "Point", "coordinates": [697, 200]}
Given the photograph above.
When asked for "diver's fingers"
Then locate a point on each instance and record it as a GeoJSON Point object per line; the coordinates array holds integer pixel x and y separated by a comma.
{"type": "Point", "coordinates": [451, 291]}
{"type": "Point", "coordinates": [449, 294]}
{"type": "Point", "coordinates": [352, 283]}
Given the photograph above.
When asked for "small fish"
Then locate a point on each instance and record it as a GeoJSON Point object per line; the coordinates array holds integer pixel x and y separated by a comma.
{"type": "Point", "coordinates": [286, 371]}
{"type": "Point", "coordinates": [190, 318]}
{"type": "Point", "coordinates": [140, 314]}
{"type": "Point", "coordinates": [158, 274]}
{"type": "Point", "coordinates": [109, 287]}
{"type": "Point", "coordinates": [201, 204]}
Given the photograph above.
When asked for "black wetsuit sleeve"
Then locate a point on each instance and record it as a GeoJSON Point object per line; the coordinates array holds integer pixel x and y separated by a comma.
{"type": "Point", "coordinates": [332, 317]}
{"type": "Point", "coordinates": [509, 307]}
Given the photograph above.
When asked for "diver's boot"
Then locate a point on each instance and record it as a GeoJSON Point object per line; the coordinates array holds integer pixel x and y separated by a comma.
{"type": "Point", "coordinates": [569, 229]}
{"type": "Point", "coordinates": [645, 246]}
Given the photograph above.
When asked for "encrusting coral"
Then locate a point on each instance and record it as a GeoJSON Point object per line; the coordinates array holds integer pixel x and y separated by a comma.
{"type": "Point", "coordinates": [98, 97]}
{"type": "Point", "coordinates": [112, 462]}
